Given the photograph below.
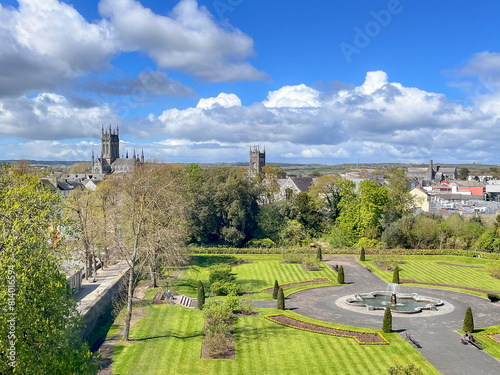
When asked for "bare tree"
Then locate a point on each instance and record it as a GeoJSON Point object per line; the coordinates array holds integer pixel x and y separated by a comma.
{"type": "Point", "coordinates": [149, 222]}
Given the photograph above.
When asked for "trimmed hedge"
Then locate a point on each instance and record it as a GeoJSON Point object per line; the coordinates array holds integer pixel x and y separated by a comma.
{"type": "Point", "coordinates": [279, 250]}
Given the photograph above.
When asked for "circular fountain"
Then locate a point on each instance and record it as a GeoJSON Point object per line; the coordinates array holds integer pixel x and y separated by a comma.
{"type": "Point", "coordinates": [405, 303]}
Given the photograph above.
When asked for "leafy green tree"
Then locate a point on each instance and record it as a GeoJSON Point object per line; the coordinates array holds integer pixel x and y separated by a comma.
{"type": "Point", "coordinates": [276, 289]}
{"type": "Point", "coordinates": [305, 212]}
{"type": "Point", "coordinates": [463, 173]}
{"type": "Point", "coordinates": [272, 219]}
{"type": "Point", "coordinates": [281, 299]}
{"type": "Point", "coordinates": [327, 191]}
{"type": "Point", "coordinates": [395, 275]}
{"type": "Point", "coordinates": [399, 200]}
{"type": "Point", "coordinates": [468, 325]}
{"type": "Point", "coordinates": [39, 320]}
{"type": "Point", "coordinates": [387, 323]}
{"type": "Point", "coordinates": [361, 213]}
{"type": "Point", "coordinates": [340, 275]}
{"type": "Point", "coordinates": [201, 295]}
{"type": "Point", "coordinates": [292, 234]}
{"type": "Point", "coordinates": [224, 208]}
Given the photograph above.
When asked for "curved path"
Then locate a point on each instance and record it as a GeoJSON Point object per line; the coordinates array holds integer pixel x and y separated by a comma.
{"type": "Point", "coordinates": [436, 333]}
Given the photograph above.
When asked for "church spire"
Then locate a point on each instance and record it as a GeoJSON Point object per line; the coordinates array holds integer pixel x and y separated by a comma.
{"type": "Point", "coordinates": [126, 155]}
{"type": "Point", "coordinates": [142, 155]}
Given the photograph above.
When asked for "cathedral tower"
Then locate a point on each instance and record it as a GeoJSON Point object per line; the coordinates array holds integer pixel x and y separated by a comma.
{"type": "Point", "coordinates": [257, 161]}
{"type": "Point", "coordinates": [110, 145]}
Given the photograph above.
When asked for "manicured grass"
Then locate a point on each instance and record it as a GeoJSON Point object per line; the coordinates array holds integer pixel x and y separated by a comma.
{"type": "Point", "coordinates": [168, 341]}
{"type": "Point", "coordinates": [251, 276]}
{"type": "Point", "coordinates": [490, 346]}
{"type": "Point", "coordinates": [425, 269]}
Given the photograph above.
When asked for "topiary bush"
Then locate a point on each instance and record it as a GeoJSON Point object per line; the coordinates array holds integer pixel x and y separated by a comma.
{"type": "Point", "coordinates": [468, 321]}
{"type": "Point", "coordinates": [493, 297]}
{"type": "Point", "coordinates": [201, 296]}
{"type": "Point", "coordinates": [387, 324]}
{"type": "Point", "coordinates": [276, 289]}
{"type": "Point", "coordinates": [340, 275]}
{"type": "Point", "coordinates": [281, 300]}
{"type": "Point", "coordinates": [223, 288]}
{"type": "Point", "coordinates": [319, 254]}
{"type": "Point", "coordinates": [362, 255]}
{"type": "Point", "coordinates": [395, 275]}
{"type": "Point", "coordinates": [220, 272]}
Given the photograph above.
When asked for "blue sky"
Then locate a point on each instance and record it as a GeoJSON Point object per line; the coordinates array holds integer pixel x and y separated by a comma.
{"type": "Point", "coordinates": [201, 81]}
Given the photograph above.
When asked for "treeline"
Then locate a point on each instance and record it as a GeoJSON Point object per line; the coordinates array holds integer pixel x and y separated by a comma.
{"type": "Point", "coordinates": [225, 211]}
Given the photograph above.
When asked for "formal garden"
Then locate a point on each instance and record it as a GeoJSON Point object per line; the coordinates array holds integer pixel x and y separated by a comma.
{"type": "Point", "coordinates": [259, 338]}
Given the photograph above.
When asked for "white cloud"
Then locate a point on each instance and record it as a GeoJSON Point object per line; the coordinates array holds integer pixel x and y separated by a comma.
{"type": "Point", "coordinates": [45, 43]}
{"type": "Point", "coordinates": [299, 96]}
{"type": "Point", "coordinates": [187, 40]}
{"type": "Point", "coordinates": [222, 100]}
{"type": "Point", "coordinates": [50, 116]}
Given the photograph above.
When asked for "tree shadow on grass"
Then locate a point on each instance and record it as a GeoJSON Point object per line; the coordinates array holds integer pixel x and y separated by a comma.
{"type": "Point", "coordinates": [207, 261]}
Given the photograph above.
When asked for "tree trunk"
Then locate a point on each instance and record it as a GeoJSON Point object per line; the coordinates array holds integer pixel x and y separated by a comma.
{"type": "Point", "coordinates": [153, 276]}
{"type": "Point", "coordinates": [128, 316]}
{"type": "Point", "coordinates": [94, 271]}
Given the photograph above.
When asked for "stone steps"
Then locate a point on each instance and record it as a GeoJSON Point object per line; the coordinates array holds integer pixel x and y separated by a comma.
{"type": "Point", "coordinates": [186, 301]}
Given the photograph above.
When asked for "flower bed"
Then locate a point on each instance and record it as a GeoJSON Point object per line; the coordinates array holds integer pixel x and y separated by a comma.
{"type": "Point", "coordinates": [362, 338]}
{"type": "Point", "coordinates": [291, 285]}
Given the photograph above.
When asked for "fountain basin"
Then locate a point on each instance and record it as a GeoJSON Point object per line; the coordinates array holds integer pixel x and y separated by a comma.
{"type": "Point", "coordinates": [406, 303]}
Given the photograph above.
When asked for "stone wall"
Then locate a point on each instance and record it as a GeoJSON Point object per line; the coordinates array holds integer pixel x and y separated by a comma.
{"type": "Point", "coordinates": [104, 303]}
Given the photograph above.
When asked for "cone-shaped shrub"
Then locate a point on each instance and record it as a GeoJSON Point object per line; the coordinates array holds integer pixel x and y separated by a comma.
{"type": "Point", "coordinates": [201, 295]}
{"type": "Point", "coordinates": [395, 276]}
{"type": "Point", "coordinates": [281, 300]}
{"type": "Point", "coordinates": [340, 275]}
{"type": "Point", "coordinates": [387, 325]}
{"type": "Point", "coordinates": [276, 288]}
{"type": "Point", "coordinates": [468, 320]}
{"type": "Point", "coordinates": [319, 254]}
{"type": "Point", "coordinates": [362, 255]}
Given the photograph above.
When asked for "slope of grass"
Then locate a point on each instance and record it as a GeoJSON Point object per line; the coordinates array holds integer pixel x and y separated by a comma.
{"type": "Point", "coordinates": [168, 341]}
{"type": "Point", "coordinates": [424, 268]}
{"type": "Point", "coordinates": [252, 277]}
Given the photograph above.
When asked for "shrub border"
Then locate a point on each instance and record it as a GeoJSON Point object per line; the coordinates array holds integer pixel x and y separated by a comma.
{"type": "Point", "coordinates": [270, 318]}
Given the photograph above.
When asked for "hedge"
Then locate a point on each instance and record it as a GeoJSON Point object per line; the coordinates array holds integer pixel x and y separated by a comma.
{"type": "Point", "coordinates": [279, 250]}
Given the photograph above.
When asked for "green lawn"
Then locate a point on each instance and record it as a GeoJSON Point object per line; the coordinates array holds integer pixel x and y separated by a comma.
{"type": "Point", "coordinates": [168, 341]}
{"type": "Point", "coordinates": [490, 346]}
{"type": "Point", "coordinates": [251, 276]}
{"type": "Point", "coordinates": [424, 268]}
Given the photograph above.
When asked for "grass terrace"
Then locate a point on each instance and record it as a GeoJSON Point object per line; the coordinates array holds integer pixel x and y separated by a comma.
{"type": "Point", "coordinates": [168, 341]}
{"type": "Point", "coordinates": [251, 277]}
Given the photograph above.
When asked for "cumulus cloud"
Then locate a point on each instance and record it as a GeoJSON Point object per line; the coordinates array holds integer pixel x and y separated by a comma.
{"type": "Point", "coordinates": [299, 96]}
{"type": "Point", "coordinates": [50, 116]}
{"type": "Point", "coordinates": [187, 40]}
{"type": "Point", "coordinates": [45, 43]}
{"type": "Point", "coordinates": [379, 120]}
{"type": "Point", "coordinates": [222, 100]}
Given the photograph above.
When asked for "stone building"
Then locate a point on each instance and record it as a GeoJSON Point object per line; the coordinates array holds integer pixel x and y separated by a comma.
{"type": "Point", "coordinates": [257, 161]}
{"type": "Point", "coordinates": [110, 161]}
{"type": "Point", "coordinates": [432, 173]}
